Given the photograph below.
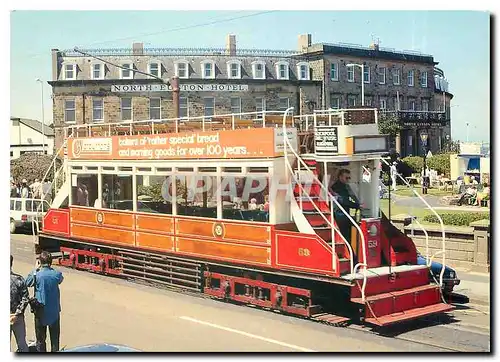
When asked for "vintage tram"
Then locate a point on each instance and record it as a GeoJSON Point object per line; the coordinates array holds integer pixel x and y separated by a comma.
{"type": "Point", "coordinates": [239, 207]}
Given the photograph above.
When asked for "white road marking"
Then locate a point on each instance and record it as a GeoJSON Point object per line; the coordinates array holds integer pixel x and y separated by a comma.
{"type": "Point", "coordinates": [248, 334]}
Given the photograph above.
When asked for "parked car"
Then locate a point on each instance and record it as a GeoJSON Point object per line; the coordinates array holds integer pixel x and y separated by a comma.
{"type": "Point", "coordinates": [24, 211]}
{"type": "Point", "coordinates": [450, 278]}
{"type": "Point", "coordinates": [101, 347]}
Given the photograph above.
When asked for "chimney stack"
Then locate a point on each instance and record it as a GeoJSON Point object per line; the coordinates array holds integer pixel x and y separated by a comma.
{"type": "Point", "coordinates": [138, 48]}
{"type": "Point", "coordinates": [305, 41]}
{"type": "Point", "coordinates": [231, 45]}
{"type": "Point", "coordinates": [55, 60]}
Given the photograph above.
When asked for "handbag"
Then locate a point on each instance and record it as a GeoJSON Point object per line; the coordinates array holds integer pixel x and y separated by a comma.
{"type": "Point", "coordinates": [35, 305]}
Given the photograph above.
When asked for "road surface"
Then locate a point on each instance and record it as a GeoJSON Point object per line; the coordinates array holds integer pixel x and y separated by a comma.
{"type": "Point", "coordinates": [97, 309]}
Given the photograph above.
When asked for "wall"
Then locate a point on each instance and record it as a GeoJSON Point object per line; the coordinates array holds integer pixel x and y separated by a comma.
{"type": "Point", "coordinates": [26, 139]}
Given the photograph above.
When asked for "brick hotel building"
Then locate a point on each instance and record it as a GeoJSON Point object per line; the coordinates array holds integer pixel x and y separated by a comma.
{"type": "Point", "coordinates": [231, 80]}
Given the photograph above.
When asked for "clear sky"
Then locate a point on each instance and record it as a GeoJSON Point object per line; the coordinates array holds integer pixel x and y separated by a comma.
{"type": "Point", "coordinates": [458, 40]}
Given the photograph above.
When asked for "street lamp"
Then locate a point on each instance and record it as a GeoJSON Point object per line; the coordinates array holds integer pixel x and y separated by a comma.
{"type": "Point", "coordinates": [424, 136]}
{"type": "Point", "coordinates": [362, 80]}
{"type": "Point", "coordinates": [43, 117]}
{"type": "Point", "coordinates": [467, 124]}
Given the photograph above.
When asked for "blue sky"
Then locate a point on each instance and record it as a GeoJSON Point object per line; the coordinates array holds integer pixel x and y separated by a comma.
{"type": "Point", "coordinates": [458, 40]}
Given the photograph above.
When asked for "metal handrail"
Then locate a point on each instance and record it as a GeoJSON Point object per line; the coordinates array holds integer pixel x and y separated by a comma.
{"type": "Point", "coordinates": [286, 143]}
{"type": "Point", "coordinates": [182, 120]}
{"type": "Point", "coordinates": [435, 213]}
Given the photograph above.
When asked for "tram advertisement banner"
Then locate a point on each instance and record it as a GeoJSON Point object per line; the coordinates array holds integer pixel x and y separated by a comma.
{"type": "Point", "coordinates": [242, 143]}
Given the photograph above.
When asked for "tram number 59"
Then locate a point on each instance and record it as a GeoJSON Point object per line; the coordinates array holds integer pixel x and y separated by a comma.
{"type": "Point", "coordinates": [304, 252]}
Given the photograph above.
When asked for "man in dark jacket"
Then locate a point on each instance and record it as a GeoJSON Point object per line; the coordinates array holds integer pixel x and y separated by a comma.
{"type": "Point", "coordinates": [47, 293]}
{"type": "Point", "coordinates": [19, 299]}
{"type": "Point", "coordinates": [343, 193]}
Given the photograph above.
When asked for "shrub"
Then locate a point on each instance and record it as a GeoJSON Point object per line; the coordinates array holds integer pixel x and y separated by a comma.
{"type": "Point", "coordinates": [440, 163]}
{"type": "Point", "coordinates": [415, 163]}
{"type": "Point", "coordinates": [458, 219]}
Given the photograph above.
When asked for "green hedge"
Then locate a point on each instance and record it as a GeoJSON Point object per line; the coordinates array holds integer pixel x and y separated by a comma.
{"type": "Point", "coordinates": [415, 163]}
{"type": "Point", "coordinates": [440, 163]}
{"type": "Point", "coordinates": [458, 219]}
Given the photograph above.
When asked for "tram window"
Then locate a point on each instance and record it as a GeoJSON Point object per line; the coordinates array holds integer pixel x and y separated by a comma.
{"type": "Point", "coordinates": [91, 168]}
{"type": "Point", "coordinates": [108, 168]}
{"type": "Point", "coordinates": [126, 169]}
{"type": "Point", "coordinates": [245, 198]}
{"type": "Point", "coordinates": [196, 195]}
{"type": "Point", "coordinates": [232, 169]}
{"type": "Point", "coordinates": [164, 169]}
{"type": "Point", "coordinates": [154, 194]}
{"type": "Point", "coordinates": [258, 169]}
{"type": "Point", "coordinates": [84, 191]}
{"type": "Point", "coordinates": [144, 169]}
{"type": "Point", "coordinates": [185, 169]}
{"type": "Point", "coordinates": [117, 192]}
{"type": "Point", "coordinates": [207, 169]}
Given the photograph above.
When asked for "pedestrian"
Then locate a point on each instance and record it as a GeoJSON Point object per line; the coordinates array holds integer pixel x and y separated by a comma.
{"type": "Point", "coordinates": [46, 282]}
{"type": "Point", "coordinates": [19, 300]}
{"type": "Point", "coordinates": [394, 172]}
{"type": "Point", "coordinates": [25, 190]}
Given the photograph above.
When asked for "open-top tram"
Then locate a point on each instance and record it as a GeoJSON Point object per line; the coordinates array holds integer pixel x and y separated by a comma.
{"type": "Point", "coordinates": [250, 207]}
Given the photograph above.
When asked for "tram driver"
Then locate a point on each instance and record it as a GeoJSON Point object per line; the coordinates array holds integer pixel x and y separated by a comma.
{"type": "Point", "coordinates": [345, 197]}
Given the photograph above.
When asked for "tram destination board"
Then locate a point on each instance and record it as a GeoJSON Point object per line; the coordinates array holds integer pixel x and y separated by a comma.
{"type": "Point", "coordinates": [326, 140]}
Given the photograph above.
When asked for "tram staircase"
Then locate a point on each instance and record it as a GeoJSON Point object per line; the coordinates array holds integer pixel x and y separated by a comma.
{"type": "Point", "coordinates": [390, 296]}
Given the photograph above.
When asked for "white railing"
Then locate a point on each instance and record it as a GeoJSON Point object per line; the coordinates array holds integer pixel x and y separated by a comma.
{"type": "Point", "coordinates": [256, 117]}
{"type": "Point", "coordinates": [308, 120]}
{"type": "Point", "coordinates": [286, 145]}
{"type": "Point", "coordinates": [443, 233]}
{"type": "Point", "coordinates": [53, 187]}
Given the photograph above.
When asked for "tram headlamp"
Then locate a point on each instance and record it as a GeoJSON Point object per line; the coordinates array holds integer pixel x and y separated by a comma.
{"type": "Point", "coordinates": [373, 230]}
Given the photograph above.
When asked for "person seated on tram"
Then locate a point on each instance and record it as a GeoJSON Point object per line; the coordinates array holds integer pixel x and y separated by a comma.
{"type": "Point", "coordinates": [253, 204]}
{"type": "Point", "coordinates": [346, 198]}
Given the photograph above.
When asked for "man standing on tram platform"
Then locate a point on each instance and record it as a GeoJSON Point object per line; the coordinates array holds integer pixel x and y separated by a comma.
{"type": "Point", "coordinates": [342, 191]}
{"type": "Point", "coordinates": [46, 282]}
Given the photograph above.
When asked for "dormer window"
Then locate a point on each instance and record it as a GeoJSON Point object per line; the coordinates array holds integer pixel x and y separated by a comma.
{"type": "Point", "coordinates": [282, 71]}
{"type": "Point", "coordinates": [69, 72]}
{"type": "Point", "coordinates": [208, 69]}
{"type": "Point", "coordinates": [303, 71]}
{"type": "Point", "coordinates": [259, 69]}
{"type": "Point", "coordinates": [182, 69]}
{"type": "Point", "coordinates": [234, 69]}
{"type": "Point", "coordinates": [126, 71]}
{"type": "Point", "coordinates": [154, 68]}
{"type": "Point", "coordinates": [97, 71]}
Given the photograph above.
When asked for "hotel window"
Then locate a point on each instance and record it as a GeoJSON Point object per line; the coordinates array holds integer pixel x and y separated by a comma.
{"type": "Point", "coordinates": [208, 69]}
{"type": "Point", "coordinates": [284, 104]}
{"type": "Point", "coordinates": [303, 71]}
{"type": "Point", "coordinates": [97, 71]}
{"type": "Point", "coordinates": [396, 77]}
{"type": "Point", "coordinates": [154, 69]}
{"type": "Point", "coordinates": [259, 70]}
{"type": "Point", "coordinates": [183, 107]}
{"type": "Point", "coordinates": [350, 74]}
{"type": "Point", "coordinates": [154, 108]}
{"type": "Point", "coordinates": [235, 105]}
{"type": "Point", "coordinates": [425, 105]}
{"type": "Point", "coordinates": [126, 109]}
{"type": "Point", "coordinates": [260, 104]}
{"type": "Point", "coordinates": [282, 71]}
{"type": "Point", "coordinates": [181, 70]}
{"type": "Point", "coordinates": [335, 102]}
{"type": "Point", "coordinates": [69, 111]}
{"type": "Point", "coordinates": [334, 73]}
{"type": "Point", "coordinates": [411, 104]}
{"type": "Point", "coordinates": [234, 69]}
{"type": "Point", "coordinates": [97, 110]}
{"type": "Point", "coordinates": [423, 80]}
{"type": "Point", "coordinates": [127, 73]}
{"type": "Point", "coordinates": [368, 101]}
{"type": "Point", "coordinates": [381, 75]}
{"type": "Point", "coordinates": [209, 104]}
{"type": "Point", "coordinates": [396, 105]}
{"type": "Point", "coordinates": [411, 75]}
{"type": "Point", "coordinates": [351, 101]}
{"type": "Point", "coordinates": [383, 103]}
{"type": "Point", "coordinates": [366, 74]}
{"type": "Point", "coordinates": [70, 71]}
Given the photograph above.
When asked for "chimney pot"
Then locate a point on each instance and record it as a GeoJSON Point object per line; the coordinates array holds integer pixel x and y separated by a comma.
{"type": "Point", "coordinates": [231, 45]}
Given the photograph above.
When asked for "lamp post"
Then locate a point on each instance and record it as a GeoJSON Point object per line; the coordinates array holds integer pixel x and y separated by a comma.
{"type": "Point", "coordinates": [467, 124]}
{"type": "Point", "coordinates": [43, 117]}
{"type": "Point", "coordinates": [362, 80]}
{"type": "Point", "coordinates": [424, 136]}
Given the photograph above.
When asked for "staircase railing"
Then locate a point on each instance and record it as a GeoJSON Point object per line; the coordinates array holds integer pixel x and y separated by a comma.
{"type": "Point", "coordinates": [443, 233]}
{"type": "Point", "coordinates": [53, 186]}
{"type": "Point", "coordinates": [286, 146]}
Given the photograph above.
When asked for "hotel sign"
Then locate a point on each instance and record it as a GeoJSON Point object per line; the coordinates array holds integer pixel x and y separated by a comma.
{"type": "Point", "coordinates": [124, 88]}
